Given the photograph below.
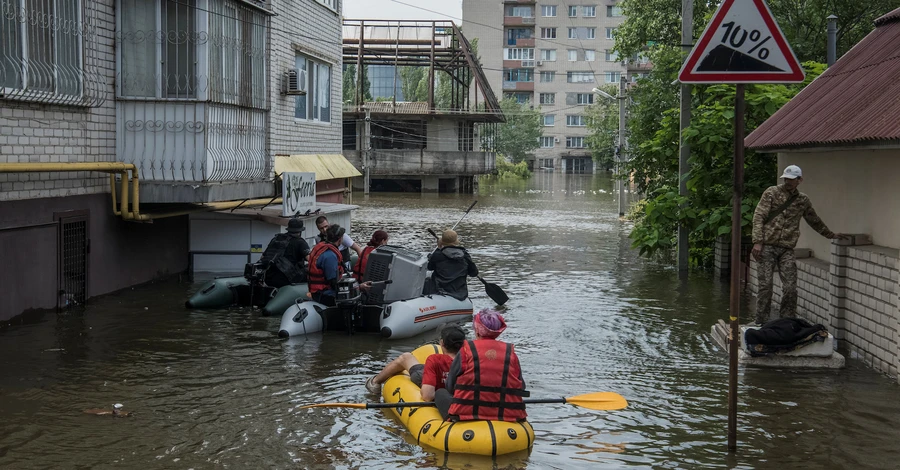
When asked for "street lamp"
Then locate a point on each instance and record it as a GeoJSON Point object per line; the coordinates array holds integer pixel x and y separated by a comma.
{"type": "Point", "coordinates": [620, 151]}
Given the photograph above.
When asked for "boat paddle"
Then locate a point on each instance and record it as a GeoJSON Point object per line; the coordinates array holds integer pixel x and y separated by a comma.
{"type": "Point", "coordinates": [492, 290]}
{"type": "Point", "coordinates": [464, 215]}
{"type": "Point", "coordinates": [603, 401]}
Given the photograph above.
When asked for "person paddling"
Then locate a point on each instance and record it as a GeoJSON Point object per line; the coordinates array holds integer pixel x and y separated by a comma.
{"type": "Point", "coordinates": [450, 263]}
{"type": "Point", "coordinates": [485, 379]}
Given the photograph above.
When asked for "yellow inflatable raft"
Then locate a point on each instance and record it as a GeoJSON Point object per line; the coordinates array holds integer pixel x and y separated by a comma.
{"type": "Point", "coordinates": [467, 437]}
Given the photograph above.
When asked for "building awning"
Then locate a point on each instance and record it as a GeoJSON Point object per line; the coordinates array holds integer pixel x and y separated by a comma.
{"type": "Point", "coordinates": [326, 166]}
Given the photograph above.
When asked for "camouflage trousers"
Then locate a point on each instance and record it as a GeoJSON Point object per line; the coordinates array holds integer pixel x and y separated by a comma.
{"type": "Point", "coordinates": [783, 259]}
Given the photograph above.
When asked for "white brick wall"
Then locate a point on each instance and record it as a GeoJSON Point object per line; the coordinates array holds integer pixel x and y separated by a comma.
{"type": "Point", "coordinates": [39, 133]}
{"type": "Point", "coordinates": [309, 27]}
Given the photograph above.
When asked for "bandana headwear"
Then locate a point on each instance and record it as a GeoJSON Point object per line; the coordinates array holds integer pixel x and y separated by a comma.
{"type": "Point", "coordinates": [488, 323]}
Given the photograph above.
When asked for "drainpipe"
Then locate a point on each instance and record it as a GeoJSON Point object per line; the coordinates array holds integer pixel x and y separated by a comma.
{"type": "Point", "coordinates": [832, 40]}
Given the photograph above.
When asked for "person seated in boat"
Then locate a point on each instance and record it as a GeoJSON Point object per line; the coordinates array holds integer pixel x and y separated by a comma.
{"type": "Point", "coordinates": [285, 256]}
{"type": "Point", "coordinates": [450, 263]}
{"type": "Point", "coordinates": [430, 376]}
{"type": "Point", "coordinates": [485, 379]}
{"type": "Point", "coordinates": [344, 247]}
{"type": "Point", "coordinates": [325, 268]}
{"type": "Point", "coordinates": [379, 238]}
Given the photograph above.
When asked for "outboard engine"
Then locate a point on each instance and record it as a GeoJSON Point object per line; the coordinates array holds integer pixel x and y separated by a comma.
{"type": "Point", "coordinates": [347, 299]}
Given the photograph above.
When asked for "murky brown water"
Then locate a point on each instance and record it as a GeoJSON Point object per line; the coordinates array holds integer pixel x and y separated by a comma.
{"type": "Point", "coordinates": [218, 389]}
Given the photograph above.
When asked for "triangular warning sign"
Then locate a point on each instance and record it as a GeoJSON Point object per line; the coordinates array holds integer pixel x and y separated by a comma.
{"type": "Point", "coordinates": [742, 44]}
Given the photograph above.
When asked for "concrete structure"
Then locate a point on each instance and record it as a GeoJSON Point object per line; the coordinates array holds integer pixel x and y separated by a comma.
{"type": "Point", "coordinates": [551, 55]}
{"type": "Point", "coordinates": [200, 114]}
{"type": "Point", "coordinates": [818, 355]}
{"type": "Point", "coordinates": [843, 130]}
{"type": "Point", "coordinates": [429, 146]}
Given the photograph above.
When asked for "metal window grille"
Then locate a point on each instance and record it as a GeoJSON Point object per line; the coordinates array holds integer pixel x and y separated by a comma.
{"type": "Point", "coordinates": [73, 249]}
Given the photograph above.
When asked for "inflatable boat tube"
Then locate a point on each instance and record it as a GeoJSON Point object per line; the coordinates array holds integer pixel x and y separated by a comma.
{"type": "Point", "coordinates": [218, 293]}
{"type": "Point", "coordinates": [407, 318]}
{"type": "Point", "coordinates": [467, 437]}
{"type": "Point", "coordinates": [303, 318]}
{"type": "Point", "coordinates": [285, 297]}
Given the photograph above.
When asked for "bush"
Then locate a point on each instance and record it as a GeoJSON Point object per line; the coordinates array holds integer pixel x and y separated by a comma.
{"type": "Point", "coordinates": [506, 169]}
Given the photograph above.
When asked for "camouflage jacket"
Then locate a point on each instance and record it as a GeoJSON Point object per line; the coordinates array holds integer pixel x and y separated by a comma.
{"type": "Point", "coordinates": [784, 229]}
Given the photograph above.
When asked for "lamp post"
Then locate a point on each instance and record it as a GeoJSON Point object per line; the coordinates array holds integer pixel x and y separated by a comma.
{"type": "Point", "coordinates": [620, 150]}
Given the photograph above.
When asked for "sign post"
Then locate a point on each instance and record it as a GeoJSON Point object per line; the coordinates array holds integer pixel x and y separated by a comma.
{"type": "Point", "coordinates": [742, 44]}
{"type": "Point", "coordinates": [298, 193]}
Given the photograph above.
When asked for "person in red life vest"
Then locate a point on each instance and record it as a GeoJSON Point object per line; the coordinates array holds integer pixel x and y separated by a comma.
{"type": "Point", "coordinates": [379, 238]}
{"type": "Point", "coordinates": [325, 268]}
{"type": "Point", "coordinates": [485, 380]}
{"type": "Point", "coordinates": [431, 376]}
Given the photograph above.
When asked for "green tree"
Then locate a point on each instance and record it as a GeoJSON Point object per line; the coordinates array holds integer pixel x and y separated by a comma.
{"type": "Point", "coordinates": [348, 92]}
{"type": "Point", "coordinates": [519, 135]}
{"type": "Point", "coordinates": [411, 81]}
{"type": "Point", "coordinates": [603, 125]}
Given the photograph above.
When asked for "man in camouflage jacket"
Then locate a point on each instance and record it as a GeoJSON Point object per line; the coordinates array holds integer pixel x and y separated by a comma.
{"type": "Point", "coordinates": [776, 228]}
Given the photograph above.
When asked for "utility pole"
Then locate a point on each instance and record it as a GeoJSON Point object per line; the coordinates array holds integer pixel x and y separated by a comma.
{"type": "Point", "coordinates": [367, 142]}
{"type": "Point", "coordinates": [684, 151]}
{"type": "Point", "coordinates": [620, 155]}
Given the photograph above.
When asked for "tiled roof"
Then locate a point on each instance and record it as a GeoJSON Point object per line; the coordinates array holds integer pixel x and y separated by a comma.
{"type": "Point", "coordinates": [856, 101]}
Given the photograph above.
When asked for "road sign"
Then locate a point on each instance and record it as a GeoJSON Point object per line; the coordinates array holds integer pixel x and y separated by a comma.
{"type": "Point", "coordinates": [742, 44]}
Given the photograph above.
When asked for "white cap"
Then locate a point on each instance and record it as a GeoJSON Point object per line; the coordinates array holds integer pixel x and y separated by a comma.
{"type": "Point", "coordinates": [792, 172]}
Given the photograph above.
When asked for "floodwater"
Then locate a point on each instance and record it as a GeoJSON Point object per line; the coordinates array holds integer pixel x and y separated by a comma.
{"type": "Point", "coordinates": [218, 389]}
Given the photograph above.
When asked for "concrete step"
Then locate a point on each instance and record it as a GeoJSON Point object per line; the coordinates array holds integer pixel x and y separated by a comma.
{"type": "Point", "coordinates": [819, 355]}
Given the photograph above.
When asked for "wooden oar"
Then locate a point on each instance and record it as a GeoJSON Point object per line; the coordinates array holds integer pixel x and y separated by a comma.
{"type": "Point", "coordinates": [603, 401]}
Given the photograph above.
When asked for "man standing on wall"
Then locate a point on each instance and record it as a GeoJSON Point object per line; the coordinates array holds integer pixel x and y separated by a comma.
{"type": "Point", "coordinates": [776, 228]}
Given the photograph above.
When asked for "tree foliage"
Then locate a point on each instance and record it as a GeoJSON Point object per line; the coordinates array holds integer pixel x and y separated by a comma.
{"type": "Point", "coordinates": [603, 128]}
{"type": "Point", "coordinates": [349, 81]}
{"type": "Point", "coordinates": [519, 135]}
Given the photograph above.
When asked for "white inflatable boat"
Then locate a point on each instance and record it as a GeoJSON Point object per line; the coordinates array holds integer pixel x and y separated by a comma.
{"type": "Point", "coordinates": [395, 306]}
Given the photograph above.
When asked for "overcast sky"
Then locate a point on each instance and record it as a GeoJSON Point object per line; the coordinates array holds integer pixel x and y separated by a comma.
{"type": "Point", "coordinates": [388, 9]}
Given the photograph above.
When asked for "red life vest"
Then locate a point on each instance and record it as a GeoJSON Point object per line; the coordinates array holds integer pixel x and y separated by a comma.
{"type": "Point", "coordinates": [488, 386]}
{"type": "Point", "coordinates": [360, 269]}
{"type": "Point", "coordinates": [316, 277]}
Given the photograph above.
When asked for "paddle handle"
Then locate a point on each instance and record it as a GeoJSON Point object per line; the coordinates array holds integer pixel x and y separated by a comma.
{"type": "Point", "coordinates": [464, 215]}
{"type": "Point", "coordinates": [417, 404]}
{"type": "Point", "coordinates": [432, 233]}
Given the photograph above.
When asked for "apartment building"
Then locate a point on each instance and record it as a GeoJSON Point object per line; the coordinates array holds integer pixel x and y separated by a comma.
{"type": "Point", "coordinates": [110, 106]}
{"type": "Point", "coordinates": [551, 54]}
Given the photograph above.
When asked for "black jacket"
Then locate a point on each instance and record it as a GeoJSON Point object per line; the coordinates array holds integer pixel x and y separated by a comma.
{"type": "Point", "coordinates": [451, 265]}
{"type": "Point", "coordinates": [286, 255]}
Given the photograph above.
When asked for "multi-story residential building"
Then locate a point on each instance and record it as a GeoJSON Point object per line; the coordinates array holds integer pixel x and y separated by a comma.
{"type": "Point", "coordinates": [551, 54]}
{"type": "Point", "coordinates": [170, 103]}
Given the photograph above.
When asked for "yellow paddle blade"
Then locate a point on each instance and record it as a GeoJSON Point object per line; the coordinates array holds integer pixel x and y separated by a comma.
{"type": "Point", "coordinates": [599, 401]}
{"type": "Point", "coordinates": [335, 405]}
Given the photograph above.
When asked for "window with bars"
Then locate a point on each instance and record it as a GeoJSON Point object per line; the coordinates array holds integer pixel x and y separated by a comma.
{"type": "Point", "coordinates": [41, 45]}
{"type": "Point", "coordinates": [73, 260]}
{"type": "Point", "coordinates": [547, 98]}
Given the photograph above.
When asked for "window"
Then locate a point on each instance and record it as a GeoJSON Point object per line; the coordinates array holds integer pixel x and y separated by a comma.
{"type": "Point", "coordinates": [549, 120]}
{"type": "Point", "coordinates": [573, 55]}
{"type": "Point", "coordinates": [591, 33]}
{"type": "Point", "coordinates": [548, 55]}
{"type": "Point", "coordinates": [584, 98]}
{"type": "Point", "coordinates": [546, 162]}
{"type": "Point", "coordinates": [611, 56]}
{"type": "Point", "coordinates": [610, 33]}
{"type": "Point", "coordinates": [518, 75]}
{"type": "Point", "coordinates": [41, 46]}
{"type": "Point", "coordinates": [523, 12]}
{"type": "Point", "coordinates": [613, 77]}
{"type": "Point", "coordinates": [589, 11]}
{"type": "Point", "coordinates": [237, 57]}
{"type": "Point", "coordinates": [548, 33]}
{"type": "Point", "coordinates": [521, 98]}
{"type": "Point", "coordinates": [514, 34]}
{"type": "Point", "coordinates": [546, 143]}
{"type": "Point", "coordinates": [331, 4]}
{"type": "Point", "coordinates": [613, 11]}
{"type": "Point", "coordinates": [573, 33]}
{"type": "Point", "coordinates": [573, 11]}
{"type": "Point", "coordinates": [547, 76]}
{"type": "Point", "coordinates": [315, 105]}
{"type": "Point", "coordinates": [580, 77]}
{"type": "Point", "coordinates": [639, 76]}
{"type": "Point", "coordinates": [574, 142]}
{"type": "Point", "coordinates": [518, 54]}
{"type": "Point", "coordinates": [575, 120]}
{"type": "Point", "coordinates": [548, 10]}
{"type": "Point", "coordinates": [547, 98]}
{"type": "Point", "coordinates": [590, 55]}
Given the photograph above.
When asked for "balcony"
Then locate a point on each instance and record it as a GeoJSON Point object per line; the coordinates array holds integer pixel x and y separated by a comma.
{"type": "Point", "coordinates": [523, 42]}
{"type": "Point", "coordinates": [518, 20]}
{"type": "Point", "coordinates": [518, 86]}
{"type": "Point", "coordinates": [520, 2]}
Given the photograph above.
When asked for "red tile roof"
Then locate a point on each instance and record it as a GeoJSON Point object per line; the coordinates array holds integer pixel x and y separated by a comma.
{"type": "Point", "coordinates": [857, 100]}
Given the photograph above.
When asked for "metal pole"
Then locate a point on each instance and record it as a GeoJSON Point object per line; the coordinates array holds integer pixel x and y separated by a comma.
{"type": "Point", "coordinates": [620, 155]}
{"type": "Point", "coordinates": [360, 92]}
{"type": "Point", "coordinates": [735, 301]}
{"type": "Point", "coordinates": [368, 143]}
{"type": "Point", "coordinates": [684, 151]}
{"type": "Point", "coordinates": [832, 40]}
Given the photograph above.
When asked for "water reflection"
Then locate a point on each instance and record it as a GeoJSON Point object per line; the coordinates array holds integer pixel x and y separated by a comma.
{"type": "Point", "coordinates": [214, 388]}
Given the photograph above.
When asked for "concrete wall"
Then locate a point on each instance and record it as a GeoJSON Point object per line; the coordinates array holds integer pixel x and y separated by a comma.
{"type": "Point", "coordinates": [443, 135]}
{"type": "Point", "coordinates": [122, 254]}
{"type": "Point", "coordinates": [853, 191]}
{"type": "Point", "coordinates": [312, 29]}
{"type": "Point", "coordinates": [31, 132]}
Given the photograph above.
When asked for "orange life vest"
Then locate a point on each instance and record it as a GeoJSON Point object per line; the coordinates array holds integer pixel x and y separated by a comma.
{"type": "Point", "coordinates": [488, 386]}
{"type": "Point", "coordinates": [316, 277]}
{"type": "Point", "coordinates": [360, 269]}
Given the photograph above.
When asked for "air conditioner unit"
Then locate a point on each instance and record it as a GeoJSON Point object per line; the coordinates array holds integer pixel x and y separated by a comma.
{"type": "Point", "coordinates": [556, 140]}
{"type": "Point", "coordinates": [294, 82]}
{"type": "Point", "coordinates": [540, 63]}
